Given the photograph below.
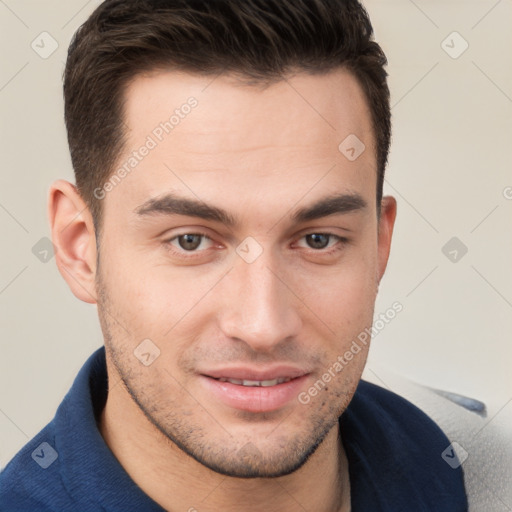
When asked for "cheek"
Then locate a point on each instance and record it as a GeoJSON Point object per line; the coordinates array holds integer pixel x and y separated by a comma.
{"type": "Point", "coordinates": [135, 293]}
{"type": "Point", "coordinates": [341, 295]}
{"type": "Point", "coordinates": [153, 300]}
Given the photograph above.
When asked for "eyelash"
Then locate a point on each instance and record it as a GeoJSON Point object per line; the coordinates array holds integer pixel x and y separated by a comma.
{"type": "Point", "coordinates": [341, 242]}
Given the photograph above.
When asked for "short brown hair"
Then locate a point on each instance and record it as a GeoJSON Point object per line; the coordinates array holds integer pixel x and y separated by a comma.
{"type": "Point", "coordinates": [257, 39]}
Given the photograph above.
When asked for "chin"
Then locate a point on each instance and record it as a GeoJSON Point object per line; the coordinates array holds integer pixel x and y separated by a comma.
{"type": "Point", "coordinates": [250, 462]}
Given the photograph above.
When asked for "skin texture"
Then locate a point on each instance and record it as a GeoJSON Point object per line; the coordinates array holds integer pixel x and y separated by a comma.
{"type": "Point", "coordinates": [261, 154]}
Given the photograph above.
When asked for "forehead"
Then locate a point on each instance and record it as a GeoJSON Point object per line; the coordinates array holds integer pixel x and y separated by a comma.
{"type": "Point", "coordinates": [310, 109]}
{"type": "Point", "coordinates": [210, 134]}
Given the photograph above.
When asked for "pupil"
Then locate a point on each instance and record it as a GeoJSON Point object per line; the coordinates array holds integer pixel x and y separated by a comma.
{"type": "Point", "coordinates": [189, 241]}
{"type": "Point", "coordinates": [318, 240]}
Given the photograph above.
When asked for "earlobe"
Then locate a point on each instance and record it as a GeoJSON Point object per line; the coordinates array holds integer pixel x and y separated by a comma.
{"type": "Point", "coordinates": [73, 235]}
{"type": "Point", "coordinates": [386, 224]}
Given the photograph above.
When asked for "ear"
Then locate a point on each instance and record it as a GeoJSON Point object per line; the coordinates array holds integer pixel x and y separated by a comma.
{"type": "Point", "coordinates": [385, 234]}
{"type": "Point", "coordinates": [73, 235]}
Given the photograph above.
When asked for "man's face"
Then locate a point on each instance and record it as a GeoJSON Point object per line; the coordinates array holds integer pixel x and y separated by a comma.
{"type": "Point", "coordinates": [247, 315]}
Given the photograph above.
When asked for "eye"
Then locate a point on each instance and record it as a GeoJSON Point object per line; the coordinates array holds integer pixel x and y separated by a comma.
{"type": "Point", "coordinates": [189, 242]}
{"type": "Point", "coordinates": [320, 241]}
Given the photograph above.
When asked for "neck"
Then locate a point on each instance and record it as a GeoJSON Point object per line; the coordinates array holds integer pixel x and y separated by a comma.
{"type": "Point", "coordinates": [176, 481]}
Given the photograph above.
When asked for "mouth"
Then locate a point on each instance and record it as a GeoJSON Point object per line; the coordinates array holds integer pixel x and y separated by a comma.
{"type": "Point", "coordinates": [256, 383]}
{"type": "Point", "coordinates": [253, 391]}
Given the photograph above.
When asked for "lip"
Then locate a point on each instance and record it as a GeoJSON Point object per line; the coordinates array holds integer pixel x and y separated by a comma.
{"type": "Point", "coordinates": [254, 399]}
{"type": "Point", "coordinates": [248, 373]}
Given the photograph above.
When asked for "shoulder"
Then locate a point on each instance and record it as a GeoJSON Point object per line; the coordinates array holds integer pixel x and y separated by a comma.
{"type": "Point", "coordinates": [479, 434]}
{"type": "Point", "coordinates": [396, 454]}
{"type": "Point", "coordinates": [394, 423]}
{"type": "Point", "coordinates": [31, 480]}
{"type": "Point", "coordinates": [40, 476]}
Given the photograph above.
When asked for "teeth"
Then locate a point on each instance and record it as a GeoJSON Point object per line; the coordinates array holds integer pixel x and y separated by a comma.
{"type": "Point", "coordinates": [233, 381]}
{"type": "Point", "coordinates": [251, 383]}
{"type": "Point", "coordinates": [256, 383]}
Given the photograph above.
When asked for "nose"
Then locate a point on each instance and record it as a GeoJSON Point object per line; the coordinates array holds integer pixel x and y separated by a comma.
{"type": "Point", "coordinates": [259, 307]}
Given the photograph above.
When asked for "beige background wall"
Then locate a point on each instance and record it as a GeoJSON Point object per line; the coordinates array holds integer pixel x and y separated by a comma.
{"type": "Point", "coordinates": [450, 169]}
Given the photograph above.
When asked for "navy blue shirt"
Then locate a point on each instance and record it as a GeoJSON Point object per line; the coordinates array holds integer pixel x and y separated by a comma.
{"type": "Point", "coordinates": [393, 449]}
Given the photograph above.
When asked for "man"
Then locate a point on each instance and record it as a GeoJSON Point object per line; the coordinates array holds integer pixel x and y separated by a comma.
{"type": "Point", "coordinates": [228, 221]}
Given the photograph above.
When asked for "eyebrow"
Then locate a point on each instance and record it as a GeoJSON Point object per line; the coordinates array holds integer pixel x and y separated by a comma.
{"type": "Point", "coordinates": [331, 205]}
{"type": "Point", "coordinates": [171, 204]}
